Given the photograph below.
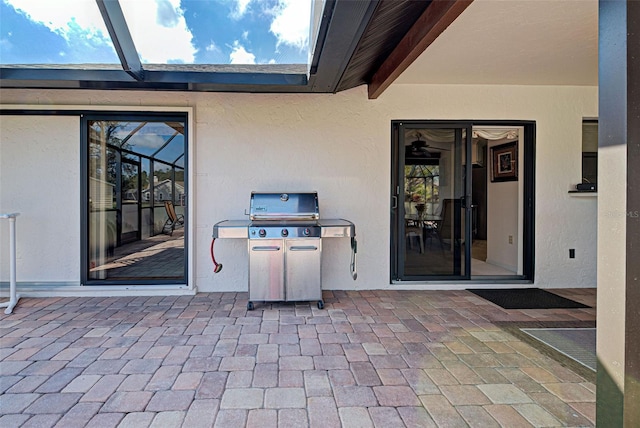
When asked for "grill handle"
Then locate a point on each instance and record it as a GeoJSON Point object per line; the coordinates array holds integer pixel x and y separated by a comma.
{"type": "Point", "coordinates": [303, 248]}
{"type": "Point", "coordinates": [265, 248]}
{"type": "Point", "coordinates": [354, 251]}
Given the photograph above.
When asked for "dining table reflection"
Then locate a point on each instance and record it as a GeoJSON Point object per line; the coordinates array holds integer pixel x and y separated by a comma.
{"type": "Point", "coordinates": [423, 227]}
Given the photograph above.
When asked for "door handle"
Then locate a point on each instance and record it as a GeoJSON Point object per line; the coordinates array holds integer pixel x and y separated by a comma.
{"type": "Point", "coordinates": [303, 248]}
{"type": "Point", "coordinates": [395, 202]}
{"type": "Point", "coordinates": [265, 248]}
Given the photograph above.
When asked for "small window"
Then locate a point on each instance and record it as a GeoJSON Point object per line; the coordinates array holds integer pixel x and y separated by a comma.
{"type": "Point", "coordinates": [590, 151]}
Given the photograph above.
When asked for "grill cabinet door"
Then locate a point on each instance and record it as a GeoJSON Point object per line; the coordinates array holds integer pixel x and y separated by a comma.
{"type": "Point", "coordinates": [303, 269]}
{"type": "Point", "coordinates": [266, 270]}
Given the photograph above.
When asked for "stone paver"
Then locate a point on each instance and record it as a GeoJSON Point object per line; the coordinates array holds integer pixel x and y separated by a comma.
{"type": "Point", "coordinates": [442, 412]}
{"type": "Point", "coordinates": [464, 395]}
{"type": "Point", "coordinates": [127, 402]}
{"type": "Point", "coordinates": [385, 417]}
{"type": "Point", "coordinates": [285, 398]}
{"type": "Point", "coordinates": [571, 392]}
{"type": "Point", "coordinates": [79, 415]}
{"type": "Point", "coordinates": [137, 419]}
{"type": "Point", "coordinates": [478, 416]}
{"type": "Point", "coordinates": [231, 418]}
{"type": "Point", "coordinates": [369, 359]}
{"type": "Point", "coordinates": [323, 412]}
{"type": "Point", "coordinates": [355, 417]}
{"type": "Point", "coordinates": [172, 419]}
{"type": "Point", "coordinates": [507, 416]}
{"type": "Point", "coordinates": [354, 396]}
{"type": "Point", "coordinates": [16, 403]}
{"type": "Point", "coordinates": [416, 417]}
{"type": "Point", "coordinates": [504, 394]}
{"type": "Point", "coordinates": [293, 418]}
{"type": "Point", "coordinates": [165, 401]}
{"type": "Point", "coordinates": [82, 383]}
{"type": "Point", "coordinates": [202, 413]}
{"type": "Point", "coordinates": [242, 398]}
{"type": "Point", "coordinates": [53, 403]}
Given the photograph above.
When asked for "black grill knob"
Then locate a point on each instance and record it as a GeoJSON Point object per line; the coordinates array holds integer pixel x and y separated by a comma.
{"type": "Point", "coordinates": [306, 231]}
{"type": "Point", "coordinates": [285, 232]}
{"type": "Point", "coordinates": [262, 233]}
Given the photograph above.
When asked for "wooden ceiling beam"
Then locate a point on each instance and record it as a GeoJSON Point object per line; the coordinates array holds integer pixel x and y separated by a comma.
{"type": "Point", "coordinates": [435, 19]}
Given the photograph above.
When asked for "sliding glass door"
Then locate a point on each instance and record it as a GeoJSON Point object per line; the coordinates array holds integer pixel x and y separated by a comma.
{"type": "Point", "coordinates": [134, 173]}
{"type": "Point", "coordinates": [462, 200]}
{"type": "Point", "coordinates": [431, 203]}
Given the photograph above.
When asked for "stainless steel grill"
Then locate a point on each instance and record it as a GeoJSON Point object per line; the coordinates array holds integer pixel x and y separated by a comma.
{"type": "Point", "coordinates": [284, 235]}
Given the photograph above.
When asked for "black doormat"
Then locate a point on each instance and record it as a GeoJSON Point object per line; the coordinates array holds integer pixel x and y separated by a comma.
{"type": "Point", "coordinates": [526, 298]}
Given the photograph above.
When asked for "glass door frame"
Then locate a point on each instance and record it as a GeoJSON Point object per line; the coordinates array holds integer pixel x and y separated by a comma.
{"type": "Point", "coordinates": [462, 150]}
{"type": "Point", "coordinates": [127, 116]}
{"type": "Point", "coordinates": [397, 240]}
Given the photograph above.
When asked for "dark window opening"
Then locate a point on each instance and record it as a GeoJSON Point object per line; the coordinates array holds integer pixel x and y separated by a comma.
{"type": "Point", "coordinates": [590, 151]}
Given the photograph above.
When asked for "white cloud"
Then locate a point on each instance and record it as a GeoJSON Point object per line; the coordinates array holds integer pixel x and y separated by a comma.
{"type": "Point", "coordinates": [291, 23]}
{"type": "Point", "coordinates": [159, 31]}
{"type": "Point", "coordinates": [167, 15]}
{"type": "Point", "coordinates": [65, 17]}
{"type": "Point", "coordinates": [212, 47]}
{"type": "Point", "coordinates": [158, 28]}
{"type": "Point", "coordinates": [145, 138]}
{"type": "Point", "coordinates": [239, 9]}
{"type": "Point", "coordinates": [152, 141]}
{"type": "Point", "coordinates": [239, 55]}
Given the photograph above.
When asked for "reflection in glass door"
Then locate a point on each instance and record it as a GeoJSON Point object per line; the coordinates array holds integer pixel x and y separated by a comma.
{"type": "Point", "coordinates": [132, 162]}
{"type": "Point", "coordinates": [432, 193]}
{"type": "Point", "coordinates": [129, 202]}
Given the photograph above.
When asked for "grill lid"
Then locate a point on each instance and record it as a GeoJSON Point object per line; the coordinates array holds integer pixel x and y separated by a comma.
{"type": "Point", "coordinates": [284, 206]}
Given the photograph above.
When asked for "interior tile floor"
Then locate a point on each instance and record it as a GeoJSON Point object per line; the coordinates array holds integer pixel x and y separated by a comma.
{"type": "Point", "coordinates": [369, 359]}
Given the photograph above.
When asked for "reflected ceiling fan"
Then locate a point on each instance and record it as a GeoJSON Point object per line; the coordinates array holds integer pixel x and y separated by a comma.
{"type": "Point", "coordinates": [420, 148]}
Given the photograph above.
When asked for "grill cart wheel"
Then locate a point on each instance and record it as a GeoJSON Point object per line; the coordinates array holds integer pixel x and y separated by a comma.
{"type": "Point", "coordinates": [320, 304]}
{"type": "Point", "coordinates": [250, 306]}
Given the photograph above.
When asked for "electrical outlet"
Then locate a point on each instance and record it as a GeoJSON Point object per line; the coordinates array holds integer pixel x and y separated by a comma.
{"type": "Point", "coordinates": [510, 239]}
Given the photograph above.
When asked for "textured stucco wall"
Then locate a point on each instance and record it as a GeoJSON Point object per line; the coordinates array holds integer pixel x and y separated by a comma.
{"type": "Point", "coordinates": [339, 145]}
{"type": "Point", "coordinates": [40, 178]}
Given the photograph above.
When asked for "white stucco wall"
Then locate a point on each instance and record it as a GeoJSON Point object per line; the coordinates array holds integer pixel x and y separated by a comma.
{"type": "Point", "coordinates": [40, 179]}
{"type": "Point", "coordinates": [339, 145]}
{"type": "Point", "coordinates": [503, 220]}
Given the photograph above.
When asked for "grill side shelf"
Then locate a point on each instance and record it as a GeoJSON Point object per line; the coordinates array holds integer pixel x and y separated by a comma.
{"type": "Point", "coordinates": [337, 228]}
{"type": "Point", "coordinates": [238, 229]}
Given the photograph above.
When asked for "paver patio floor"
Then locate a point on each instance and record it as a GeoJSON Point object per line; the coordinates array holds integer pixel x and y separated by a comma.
{"type": "Point", "coordinates": [368, 359]}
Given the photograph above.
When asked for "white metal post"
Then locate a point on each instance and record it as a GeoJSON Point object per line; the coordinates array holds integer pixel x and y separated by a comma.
{"type": "Point", "coordinates": [13, 297]}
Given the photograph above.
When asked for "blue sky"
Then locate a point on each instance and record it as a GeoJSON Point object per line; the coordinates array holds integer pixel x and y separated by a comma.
{"type": "Point", "coordinates": [164, 31]}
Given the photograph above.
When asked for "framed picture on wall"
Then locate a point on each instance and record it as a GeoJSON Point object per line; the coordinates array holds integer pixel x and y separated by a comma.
{"type": "Point", "coordinates": [504, 160]}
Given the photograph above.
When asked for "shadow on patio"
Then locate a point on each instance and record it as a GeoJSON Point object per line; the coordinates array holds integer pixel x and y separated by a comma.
{"type": "Point", "coordinates": [370, 358]}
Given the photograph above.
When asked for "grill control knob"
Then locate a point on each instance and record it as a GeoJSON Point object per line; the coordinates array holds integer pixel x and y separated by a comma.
{"type": "Point", "coordinates": [284, 232]}
{"type": "Point", "coordinates": [262, 233]}
{"type": "Point", "coordinates": [306, 231]}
